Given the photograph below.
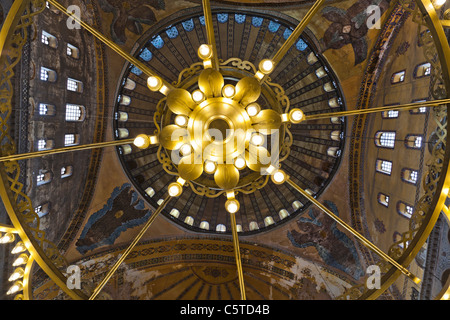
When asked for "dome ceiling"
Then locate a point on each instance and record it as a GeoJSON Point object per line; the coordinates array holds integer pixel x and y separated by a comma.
{"type": "Point", "coordinates": [312, 150]}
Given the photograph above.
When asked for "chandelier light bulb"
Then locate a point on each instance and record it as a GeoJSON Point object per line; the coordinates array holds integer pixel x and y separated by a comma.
{"type": "Point", "coordinates": [253, 109]}
{"type": "Point", "coordinates": [296, 115]}
{"type": "Point", "coordinates": [18, 248]}
{"type": "Point", "coordinates": [210, 167]}
{"type": "Point", "coordinates": [229, 91]}
{"type": "Point", "coordinates": [16, 287]}
{"type": "Point", "coordinates": [186, 149]}
{"type": "Point", "coordinates": [154, 83]}
{"type": "Point", "coordinates": [257, 139]}
{"type": "Point", "coordinates": [204, 52]}
{"type": "Point", "coordinates": [266, 66]}
{"type": "Point", "coordinates": [279, 177]}
{"type": "Point", "coordinates": [17, 274]}
{"type": "Point", "coordinates": [181, 121]}
{"type": "Point", "coordinates": [240, 163]}
{"type": "Point", "coordinates": [198, 96]}
{"type": "Point", "coordinates": [7, 238]}
{"type": "Point", "coordinates": [22, 259]}
{"type": "Point", "coordinates": [175, 189]}
{"type": "Point", "coordinates": [232, 205]}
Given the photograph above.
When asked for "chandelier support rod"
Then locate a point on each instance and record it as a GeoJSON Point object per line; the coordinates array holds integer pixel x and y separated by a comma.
{"type": "Point", "coordinates": [210, 33]}
{"type": "Point", "coordinates": [36, 154]}
{"type": "Point", "coordinates": [402, 107]}
{"type": "Point", "coordinates": [362, 239]}
{"type": "Point", "coordinates": [144, 68]}
{"type": "Point", "coordinates": [237, 255]}
{"type": "Point", "coordinates": [130, 248]}
{"type": "Point", "coordinates": [290, 41]}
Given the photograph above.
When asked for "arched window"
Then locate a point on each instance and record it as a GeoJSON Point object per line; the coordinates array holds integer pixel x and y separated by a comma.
{"type": "Point", "coordinates": [404, 209]}
{"type": "Point", "coordinates": [73, 51]}
{"type": "Point", "coordinates": [422, 70]}
{"type": "Point", "coordinates": [42, 209]}
{"type": "Point", "coordinates": [49, 40]}
{"type": "Point", "coordinates": [189, 220]}
{"type": "Point", "coordinates": [43, 177]}
{"type": "Point", "coordinates": [75, 112]}
{"type": "Point", "coordinates": [383, 199]}
{"type": "Point", "coordinates": [383, 166]}
{"type": "Point", "coordinates": [398, 77]}
{"type": "Point", "coordinates": [253, 226]}
{"type": "Point", "coordinates": [328, 87]}
{"type": "Point", "coordinates": [390, 114]}
{"type": "Point", "coordinates": [175, 213]}
{"type": "Point", "coordinates": [74, 85]}
{"type": "Point", "coordinates": [46, 109]}
{"type": "Point", "coordinates": [221, 228]}
{"type": "Point", "coordinates": [204, 225]}
{"type": "Point", "coordinates": [44, 144]}
{"type": "Point", "coordinates": [385, 139]}
{"type": "Point", "coordinates": [283, 213]}
{"type": "Point", "coordinates": [268, 221]}
{"type": "Point", "coordinates": [312, 58]}
{"type": "Point", "coordinates": [414, 141]}
{"type": "Point", "coordinates": [48, 75]}
{"type": "Point", "coordinates": [320, 73]}
{"type": "Point", "coordinates": [71, 139]}
{"type": "Point", "coordinates": [420, 110]}
{"type": "Point", "coordinates": [409, 175]}
{"type": "Point", "coordinates": [66, 172]}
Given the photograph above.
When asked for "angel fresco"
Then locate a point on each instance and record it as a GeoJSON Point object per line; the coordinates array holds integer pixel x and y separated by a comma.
{"type": "Point", "coordinates": [350, 26]}
{"type": "Point", "coordinates": [130, 15]}
{"type": "Point", "coordinates": [123, 210]}
{"type": "Point", "coordinates": [333, 246]}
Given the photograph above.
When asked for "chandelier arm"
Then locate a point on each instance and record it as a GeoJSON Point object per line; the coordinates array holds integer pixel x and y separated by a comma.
{"type": "Point", "coordinates": [144, 68]}
{"type": "Point", "coordinates": [291, 40]}
{"type": "Point", "coordinates": [237, 255]}
{"type": "Point", "coordinates": [130, 248]}
{"type": "Point", "coordinates": [403, 107]}
{"type": "Point", "coordinates": [210, 33]}
{"type": "Point", "coordinates": [27, 290]}
{"type": "Point", "coordinates": [357, 235]}
{"type": "Point", "coordinates": [36, 154]}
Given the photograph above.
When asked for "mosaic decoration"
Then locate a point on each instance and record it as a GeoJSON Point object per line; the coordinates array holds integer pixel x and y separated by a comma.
{"type": "Point", "coordinates": [123, 210]}
{"type": "Point", "coordinates": [332, 245]}
{"type": "Point", "coordinates": [130, 15]}
{"type": "Point", "coordinates": [350, 27]}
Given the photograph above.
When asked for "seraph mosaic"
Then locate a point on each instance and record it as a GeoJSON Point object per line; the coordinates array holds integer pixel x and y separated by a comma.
{"type": "Point", "coordinates": [333, 246]}
{"type": "Point", "coordinates": [351, 26]}
{"type": "Point", "coordinates": [123, 210]}
{"type": "Point", "coordinates": [130, 15]}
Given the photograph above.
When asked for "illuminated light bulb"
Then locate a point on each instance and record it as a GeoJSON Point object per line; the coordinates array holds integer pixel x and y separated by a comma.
{"type": "Point", "coordinates": [181, 121]}
{"type": "Point", "coordinates": [16, 287]}
{"type": "Point", "coordinates": [266, 66]}
{"type": "Point", "coordinates": [253, 109]}
{"type": "Point", "coordinates": [142, 141]}
{"type": "Point", "coordinates": [257, 139]}
{"type": "Point", "coordinates": [18, 248]}
{"type": "Point", "coordinates": [232, 205]}
{"type": "Point", "coordinates": [186, 149]}
{"type": "Point", "coordinates": [175, 189]}
{"type": "Point", "coordinates": [437, 4]}
{"type": "Point", "coordinates": [204, 52]}
{"type": "Point", "coordinates": [296, 115]}
{"type": "Point", "coordinates": [210, 167]}
{"type": "Point", "coordinates": [229, 91]}
{"type": "Point", "coordinates": [17, 274]}
{"type": "Point", "coordinates": [279, 177]}
{"type": "Point", "coordinates": [7, 238]}
{"type": "Point", "coordinates": [240, 163]}
{"type": "Point", "coordinates": [22, 259]}
{"type": "Point", "coordinates": [198, 96]}
{"type": "Point", "coordinates": [154, 83]}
